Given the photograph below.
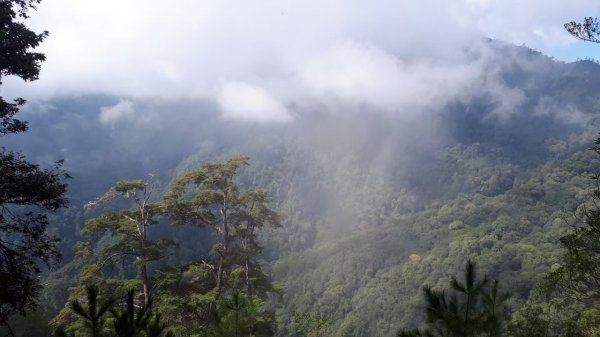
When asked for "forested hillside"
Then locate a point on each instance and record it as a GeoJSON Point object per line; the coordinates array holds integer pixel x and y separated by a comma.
{"type": "Point", "coordinates": [373, 204]}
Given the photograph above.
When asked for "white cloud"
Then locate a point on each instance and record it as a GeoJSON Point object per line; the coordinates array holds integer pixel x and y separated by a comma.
{"type": "Point", "coordinates": [110, 115]}
{"type": "Point", "coordinates": [364, 74]}
{"type": "Point", "coordinates": [242, 101]}
{"type": "Point", "coordinates": [538, 24]}
{"type": "Point", "coordinates": [392, 54]}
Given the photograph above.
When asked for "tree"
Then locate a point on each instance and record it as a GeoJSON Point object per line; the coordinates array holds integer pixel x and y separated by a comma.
{"type": "Point", "coordinates": [588, 30]}
{"type": "Point", "coordinates": [27, 191]}
{"type": "Point", "coordinates": [470, 308]}
{"type": "Point", "coordinates": [16, 40]}
{"type": "Point", "coordinates": [129, 229]}
{"type": "Point", "coordinates": [94, 313]}
{"type": "Point", "coordinates": [234, 217]}
{"type": "Point", "coordinates": [132, 321]}
{"type": "Point", "coordinates": [128, 320]}
{"type": "Point", "coordinates": [210, 197]}
{"type": "Point", "coordinates": [241, 315]}
{"type": "Point", "coordinates": [119, 236]}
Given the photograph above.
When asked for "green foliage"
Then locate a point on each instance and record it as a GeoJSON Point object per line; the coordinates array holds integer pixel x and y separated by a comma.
{"type": "Point", "coordinates": [130, 322]}
{"type": "Point", "coordinates": [365, 229]}
{"type": "Point", "coordinates": [138, 322]}
{"type": "Point", "coordinates": [210, 197]}
{"type": "Point", "coordinates": [572, 284]}
{"type": "Point", "coordinates": [312, 325]}
{"type": "Point", "coordinates": [93, 313]}
{"type": "Point", "coordinates": [240, 314]}
{"type": "Point", "coordinates": [473, 307]}
{"type": "Point", "coordinates": [27, 192]}
{"type": "Point", "coordinates": [578, 272]}
{"type": "Point", "coordinates": [119, 236]}
{"type": "Point", "coordinates": [127, 320]}
{"type": "Point", "coordinates": [555, 318]}
{"type": "Point", "coordinates": [187, 295]}
{"type": "Point", "coordinates": [129, 230]}
{"type": "Point", "coordinates": [369, 279]}
{"type": "Point", "coordinates": [17, 59]}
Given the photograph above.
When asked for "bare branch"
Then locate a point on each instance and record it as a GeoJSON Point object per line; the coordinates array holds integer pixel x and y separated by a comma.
{"type": "Point", "coordinates": [588, 30]}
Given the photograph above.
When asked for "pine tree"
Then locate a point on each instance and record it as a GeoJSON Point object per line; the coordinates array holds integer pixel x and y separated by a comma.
{"type": "Point", "coordinates": [473, 307]}
{"type": "Point", "coordinates": [93, 313]}
{"type": "Point", "coordinates": [128, 319]}
{"type": "Point", "coordinates": [210, 198]}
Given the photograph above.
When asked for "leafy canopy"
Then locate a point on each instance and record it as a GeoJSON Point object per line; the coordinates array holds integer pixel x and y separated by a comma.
{"type": "Point", "coordinates": [27, 192]}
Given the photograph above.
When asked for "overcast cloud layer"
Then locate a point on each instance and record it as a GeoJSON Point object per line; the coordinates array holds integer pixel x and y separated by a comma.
{"type": "Point", "coordinates": [258, 59]}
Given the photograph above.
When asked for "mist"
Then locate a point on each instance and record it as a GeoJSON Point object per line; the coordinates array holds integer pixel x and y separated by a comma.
{"type": "Point", "coordinates": [260, 61]}
{"type": "Point", "coordinates": [394, 138]}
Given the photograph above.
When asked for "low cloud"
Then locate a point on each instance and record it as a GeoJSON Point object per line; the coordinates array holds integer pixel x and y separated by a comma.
{"type": "Point", "coordinates": [364, 74]}
{"type": "Point", "coordinates": [110, 115]}
{"type": "Point", "coordinates": [397, 56]}
{"type": "Point", "coordinates": [245, 102]}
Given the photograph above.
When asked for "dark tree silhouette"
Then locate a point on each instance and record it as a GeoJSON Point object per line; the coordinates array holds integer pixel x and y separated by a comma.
{"type": "Point", "coordinates": [26, 190]}
{"type": "Point", "coordinates": [137, 320]}
{"type": "Point", "coordinates": [94, 313]}
{"type": "Point", "coordinates": [16, 59]}
{"type": "Point", "coordinates": [130, 321]}
{"type": "Point", "coordinates": [588, 30]}
{"type": "Point", "coordinates": [128, 318]}
{"type": "Point", "coordinates": [470, 308]}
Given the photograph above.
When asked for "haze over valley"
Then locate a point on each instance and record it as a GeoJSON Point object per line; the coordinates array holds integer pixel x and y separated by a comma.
{"type": "Point", "coordinates": [371, 153]}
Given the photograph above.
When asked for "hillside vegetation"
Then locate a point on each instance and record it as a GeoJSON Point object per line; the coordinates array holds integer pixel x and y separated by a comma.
{"type": "Point", "coordinates": [373, 205]}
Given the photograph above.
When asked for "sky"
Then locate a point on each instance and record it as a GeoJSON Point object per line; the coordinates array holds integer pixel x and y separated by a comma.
{"type": "Point", "coordinates": [257, 60]}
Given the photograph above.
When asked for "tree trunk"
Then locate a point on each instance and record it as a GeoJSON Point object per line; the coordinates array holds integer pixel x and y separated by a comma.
{"type": "Point", "coordinates": [467, 313]}
{"type": "Point", "coordinates": [220, 276]}
{"type": "Point", "coordinates": [146, 286]}
{"type": "Point", "coordinates": [248, 289]}
{"type": "Point", "coordinates": [144, 269]}
{"type": "Point", "coordinates": [224, 253]}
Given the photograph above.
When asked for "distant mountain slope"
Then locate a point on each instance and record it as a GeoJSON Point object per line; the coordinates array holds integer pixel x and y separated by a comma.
{"type": "Point", "coordinates": [376, 203]}
{"type": "Point", "coordinates": [370, 280]}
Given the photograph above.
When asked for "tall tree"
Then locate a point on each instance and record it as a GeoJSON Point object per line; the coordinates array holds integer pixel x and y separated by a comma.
{"type": "Point", "coordinates": [235, 216]}
{"type": "Point", "coordinates": [210, 197]}
{"type": "Point", "coordinates": [129, 229]}
{"type": "Point", "coordinates": [27, 192]}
